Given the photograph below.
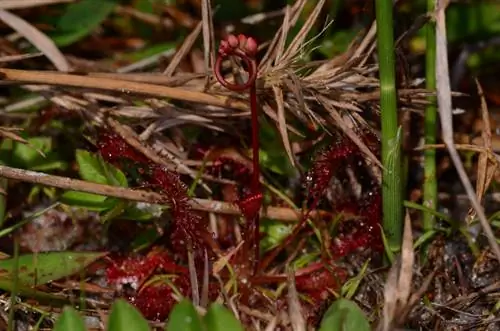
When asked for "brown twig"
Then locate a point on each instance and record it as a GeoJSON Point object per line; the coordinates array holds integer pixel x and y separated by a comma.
{"type": "Point", "coordinates": [55, 78]}
{"type": "Point", "coordinates": [220, 207]}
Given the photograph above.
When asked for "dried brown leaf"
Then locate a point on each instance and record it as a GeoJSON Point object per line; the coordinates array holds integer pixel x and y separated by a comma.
{"type": "Point", "coordinates": [208, 35]}
{"type": "Point", "coordinates": [183, 50]}
{"type": "Point", "coordinates": [37, 38]}
{"type": "Point", "coordinates": [206, 279]}
{"type": "Point", "coordinates": [407, 259]}
{"type": "Point", "coordinates": [294, 85]}
{"type": "Point", "coordinates": [271, 53]}
{"type": "Point", "coordinates": [339, 121]}
{"type": "Point", "coordinates": [398, 286]}
{"type": "Point", "coordinates": [294, 307]}
{"type": "Point", "coordinates": [193, 278]}
{"type": "Point", "coordinates": [486, 166]}
{"type": "Point", "coordinates": [299, 39]}
{"type": "Point", "coordinates": [280, 47]}
{"type": "Point", "coordinates": [223, 261]}
{"type": "Point", "coordinates": [278, 95]}
{"type": "Point", "coordinates": [390, 298]}
{"type": "Point", "coordinates": [269, 111]}
{"type": "Point", "coordinates": [272, 325]}
{"type": "Point", "coordinates": [446, 117]}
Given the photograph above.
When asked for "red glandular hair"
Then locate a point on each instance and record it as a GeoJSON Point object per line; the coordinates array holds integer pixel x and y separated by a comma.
{"type": "Point", "coordinates": [187, 227]}
{"type": "Point", "coordinates": [364, 233]}
{"type": "Point", "coordinates": [155, 300]}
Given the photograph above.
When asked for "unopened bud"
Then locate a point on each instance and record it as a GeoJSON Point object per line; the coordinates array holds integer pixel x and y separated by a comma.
{"type": "Point", "coordinates": [223, 48]}
{"type": "Point", "coordinates": [251, 46]}
{"type": "Point", "coordinates": [233, 41]}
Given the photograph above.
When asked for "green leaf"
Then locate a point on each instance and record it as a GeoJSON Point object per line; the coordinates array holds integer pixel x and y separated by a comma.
{"type": "Point", "coordinates": [147, 52]}
{"type": "Point", "coordinates": [145, 239]}
{"type": "Point", "coordinates": [94, 169]}
{"type": "Point", "coordinates": [70, 320]}
{"type": "Point", "coordinates": [50, 164]}
{"type": "Point", "coordinates": [472, 21]}
{"type": "Point", "coordinates": [114, 212]}
{"type": "Point", "coordinates": [62, 39]}
{"type": "Point", "coordinates": [271, 154]}
{"type": "Point", "coordinates": [351, 286]}
{"type": "Point", "coordinates": [425, 237]}
{"type": "Point", "coordinates": [184, 317]}
{"type": "Point", "coordinates": [344, 314]}
{"type": "Point", "coordinates": [124, 316]}
{"type": "Point", "coordinates": [42, 268]}
{"type": "Point", "coordinates": [25, 155]}
{"type": "Point", "coordinates": [338, 42]}
{"type": "Point", "coordinates": [218, 318]}
{"type": "Point", "coordinates": [87, 200]}
{"type": "Point", "coordinates": [133, 213]}
{"type": "Point", "coordinates": [80, 19]}
{"type": "Point", "coordinates": [275, 232]}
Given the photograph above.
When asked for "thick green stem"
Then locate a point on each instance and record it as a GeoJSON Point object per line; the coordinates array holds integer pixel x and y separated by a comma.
{"type": "Point", "coordinates": [392, 190]}
{"type": "Point", "coordinates": [430, 127]}
{"type": "Point", "coordinates": [3, 200]}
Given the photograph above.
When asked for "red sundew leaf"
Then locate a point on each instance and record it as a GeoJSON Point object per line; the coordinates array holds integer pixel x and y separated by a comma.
{"type": "Point", "coordinates": [250, 205]}
{"type": "Point", "coordinates": [187, 227]}
{"type": "Point", "coordinates": [114, 148]}
{"type": "Point", "coordinates": [325, 166]}
{"type": "Point", "coordinates": [131, 270]}
{"type": "Point", "coordinates": [155, 302]}
{"type": "Point", "coordinates": [321, 280]}
{"type": "Point", "coordinates": [136, 269]}
{"type": "Point", "coordinates": [364, 234]}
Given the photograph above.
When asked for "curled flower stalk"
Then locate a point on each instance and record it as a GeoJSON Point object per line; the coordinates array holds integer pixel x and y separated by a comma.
{"type": "Point", "coordinates": [245, 48]}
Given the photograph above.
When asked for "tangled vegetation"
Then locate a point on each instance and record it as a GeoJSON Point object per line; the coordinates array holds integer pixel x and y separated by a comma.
{"type": "Point", "coordinates": [258, 165]}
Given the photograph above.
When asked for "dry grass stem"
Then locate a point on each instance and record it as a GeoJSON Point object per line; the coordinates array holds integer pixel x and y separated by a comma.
{"type": "Point", "coordinates": [193, 278]}
{"type": "Point", "coordinates": [294, 308]}
{"type": "Point", "coordinates": [208, 37]}
{"type": "Point", "coordinates": [37, 38]}
{"type": "Point", "coordinates": [186, 46]}
{"type": "Point", "coordinates": [120, 86]}
{"type": "Point", "coordinates": [445, 113]}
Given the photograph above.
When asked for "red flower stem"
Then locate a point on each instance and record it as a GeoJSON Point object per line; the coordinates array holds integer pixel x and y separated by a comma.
{"type": "Point", "coordinates": [256, 172]}
{"type": "Point", "coordinates": [255, 139]}
{"type": "Point", "coordinates": [246, 49]}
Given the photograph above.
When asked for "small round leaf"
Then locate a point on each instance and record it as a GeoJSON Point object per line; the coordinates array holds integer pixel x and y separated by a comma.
{"type": "Point", "coordinates": [70, 320]}
{"type": "Point", "coordinates": [344, 314]}
{"type": "Point", "coordinates": [184, 317]}
{"type": "Point", "coordinates": [219, 318]}
{"type": "Point", "coordinates": [124, 316]}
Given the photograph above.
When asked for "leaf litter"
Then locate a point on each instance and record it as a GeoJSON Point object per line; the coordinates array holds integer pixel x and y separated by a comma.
{"type": "Point", "coordinates": [145, 112]}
